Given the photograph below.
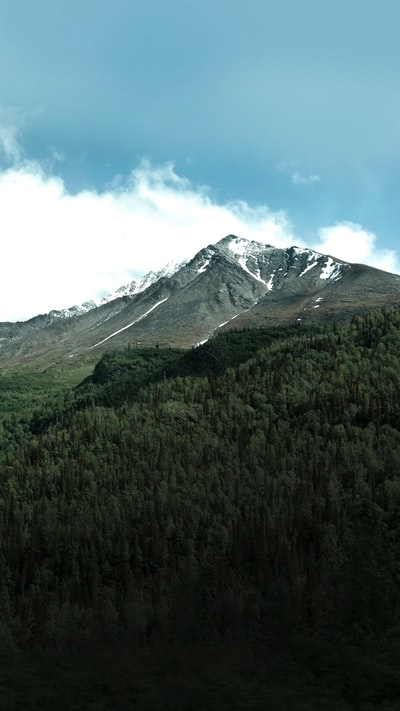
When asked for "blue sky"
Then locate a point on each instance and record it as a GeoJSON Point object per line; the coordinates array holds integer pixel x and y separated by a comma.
{"type": "Point", "coordinates": [135, 131]}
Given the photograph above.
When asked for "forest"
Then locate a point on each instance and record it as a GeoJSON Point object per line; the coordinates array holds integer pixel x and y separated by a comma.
{"type": "Point", "coordinates": [216, 528]}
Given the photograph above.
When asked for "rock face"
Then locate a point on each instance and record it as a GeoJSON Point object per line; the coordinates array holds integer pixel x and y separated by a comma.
{"type": "Point", "coordinates": [235, 283]}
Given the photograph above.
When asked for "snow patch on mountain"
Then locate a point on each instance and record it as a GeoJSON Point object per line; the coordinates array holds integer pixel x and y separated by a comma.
{"type": "Point", "coordinates": [243, 264]}
{"type": "Point", "coordinates": [270, 283]}
{"type": "Point", "coordinates": [308, 267]}
{"type": "Point", "coordinates": [204, 266]}
{"type": "Point", "coordinates": [246, 254]}
{"type": "Point", "coordinates": [129, 324]}
{"type": "Point", "coordinates": [239, 246]}
{"type": "Point", "coordinates": [147, 280]}
{"type": "Point", "coordinates": [332, 270]}
{"type": "Point", "coordinates": [228, 321]}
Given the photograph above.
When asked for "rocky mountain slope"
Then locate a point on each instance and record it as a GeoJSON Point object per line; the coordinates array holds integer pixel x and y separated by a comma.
{"type": "Point", "coordinates": [235, 283]}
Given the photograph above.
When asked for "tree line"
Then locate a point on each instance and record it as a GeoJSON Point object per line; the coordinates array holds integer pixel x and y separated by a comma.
{"type": "Point", "coordinates": [246, 491]}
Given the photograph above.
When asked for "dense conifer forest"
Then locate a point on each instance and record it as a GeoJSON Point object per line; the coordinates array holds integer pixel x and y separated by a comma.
{"type": "Point", "coordinates": [213, 528]}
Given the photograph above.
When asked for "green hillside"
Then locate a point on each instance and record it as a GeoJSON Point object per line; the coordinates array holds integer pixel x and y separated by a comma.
{"type": "Point", "coordinates": [213, 528]}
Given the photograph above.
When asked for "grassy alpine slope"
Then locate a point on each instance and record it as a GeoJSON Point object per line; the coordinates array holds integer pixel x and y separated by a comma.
{"type": "Point", "coordinates": [237, 502]}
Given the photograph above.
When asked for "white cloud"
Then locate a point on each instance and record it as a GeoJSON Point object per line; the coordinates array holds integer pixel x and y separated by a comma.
{"type": "Point", "coordinates": [305, 180]}
{"type": "Point", "coordinates": [60, 249]}
{"type": "Point", "coordinates": [352, 243]}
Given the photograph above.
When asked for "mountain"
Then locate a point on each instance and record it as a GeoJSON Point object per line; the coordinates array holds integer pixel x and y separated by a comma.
{"type": "Point", "coordinates": [235, 283]}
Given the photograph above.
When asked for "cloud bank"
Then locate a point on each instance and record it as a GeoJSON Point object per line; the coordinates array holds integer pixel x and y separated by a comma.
{"type": "Point", "coordinates": [61, 249]}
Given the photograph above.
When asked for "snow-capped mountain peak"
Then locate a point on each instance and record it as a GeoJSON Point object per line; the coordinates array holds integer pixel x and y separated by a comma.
{"type": "Point", "coordinates": [264, 263]}
{"type": "Point", "coordinates": [270, 265]}
{"type": "Point", "coordinates": [235, 283]}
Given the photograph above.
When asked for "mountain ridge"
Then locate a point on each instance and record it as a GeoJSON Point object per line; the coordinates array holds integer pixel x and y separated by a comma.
{"type": "Point", "coordinates": [235, 283]}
